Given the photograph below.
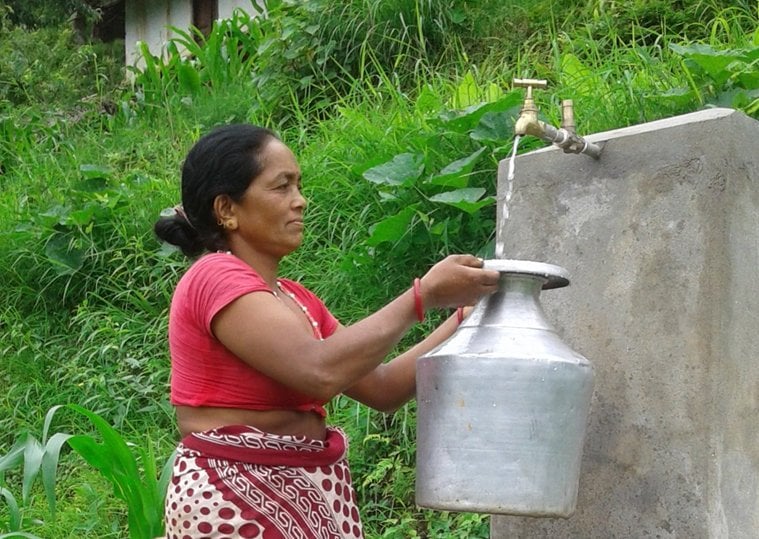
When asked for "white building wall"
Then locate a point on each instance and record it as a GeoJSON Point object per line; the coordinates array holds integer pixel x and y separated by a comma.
{"type": "Point", "coordinates": [226, 7]}
{"type": "Point", "coordinates": [149, 21]}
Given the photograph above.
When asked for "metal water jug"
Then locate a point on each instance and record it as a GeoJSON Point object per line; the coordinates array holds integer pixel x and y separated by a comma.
{"type": "Point", "coordinates": [503, 406]}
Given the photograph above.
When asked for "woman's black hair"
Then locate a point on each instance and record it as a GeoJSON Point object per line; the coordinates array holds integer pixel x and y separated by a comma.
{"type": "Point", "coordinates": [223, 162]}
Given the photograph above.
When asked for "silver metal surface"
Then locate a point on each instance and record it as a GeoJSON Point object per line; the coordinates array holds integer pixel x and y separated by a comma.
{"type": "Point", "coordinates": [555, 276]}
{"type": "Point", "coordinates": [502, 406]}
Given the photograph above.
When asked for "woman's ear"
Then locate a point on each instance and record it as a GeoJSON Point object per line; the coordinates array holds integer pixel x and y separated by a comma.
{"type": "Point", "coordinates": [224, 212]}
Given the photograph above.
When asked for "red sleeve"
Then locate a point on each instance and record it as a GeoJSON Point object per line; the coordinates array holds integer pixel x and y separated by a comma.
{"type": "Point", "coordinates": [215, 281]}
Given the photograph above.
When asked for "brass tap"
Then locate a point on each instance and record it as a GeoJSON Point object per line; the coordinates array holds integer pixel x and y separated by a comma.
{"type": "Point", "coordinates": [565, 137]}
{"type": "Point", "coordinates": [528, 123]}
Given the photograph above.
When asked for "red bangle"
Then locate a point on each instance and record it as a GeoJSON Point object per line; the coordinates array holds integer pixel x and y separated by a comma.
{"type": "Point", "coordinates": [460, 315]}
{"type": "Point", "coordinates": [418, 300]}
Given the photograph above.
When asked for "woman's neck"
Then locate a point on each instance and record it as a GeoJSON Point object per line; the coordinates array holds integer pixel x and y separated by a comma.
{"type": "Point", "coordinates": [265, 265]}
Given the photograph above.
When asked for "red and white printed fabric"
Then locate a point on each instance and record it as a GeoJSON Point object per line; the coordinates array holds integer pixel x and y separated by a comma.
{"type": "Point", "coordinates": [238, 481]}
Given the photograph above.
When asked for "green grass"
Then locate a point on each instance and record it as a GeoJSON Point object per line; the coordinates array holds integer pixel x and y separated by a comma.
{"type": "Point", "coordinates": [87, 163]}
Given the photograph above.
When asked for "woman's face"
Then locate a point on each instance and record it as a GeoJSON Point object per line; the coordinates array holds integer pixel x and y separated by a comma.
{"type": "Point", "coordinates": [270, 214]}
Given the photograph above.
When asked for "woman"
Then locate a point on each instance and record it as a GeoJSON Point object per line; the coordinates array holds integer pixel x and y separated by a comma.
{"type": "Point", "coordinates": [255, 357]}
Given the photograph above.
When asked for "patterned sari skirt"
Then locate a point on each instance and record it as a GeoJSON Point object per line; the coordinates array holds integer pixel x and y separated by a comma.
{"type": "Point", "coordinates": [238, 481]}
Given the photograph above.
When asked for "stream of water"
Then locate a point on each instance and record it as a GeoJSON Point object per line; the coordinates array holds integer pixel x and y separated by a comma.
{"type": "Point", "coordinates": [506, 198]}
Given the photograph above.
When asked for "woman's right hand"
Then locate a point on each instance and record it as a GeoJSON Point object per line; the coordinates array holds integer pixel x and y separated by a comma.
{"type": "Point", "coordinates": [457, 280]}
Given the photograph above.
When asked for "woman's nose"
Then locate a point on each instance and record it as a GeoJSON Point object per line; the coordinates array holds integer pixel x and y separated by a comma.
{"type": "Point", "coordinates": [300, 201]}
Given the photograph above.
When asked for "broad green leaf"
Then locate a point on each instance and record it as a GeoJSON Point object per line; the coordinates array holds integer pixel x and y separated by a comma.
{"type": "Point", "coordinates": [391, 229]}
{"type": "Point", "coordinates": [678, 96]}
{"type": "Point", "coordinates": [90, 171]}
{"type": "Point", "coordinates": [469, 200]}
{"type": "Point", "coordinates": [403, 169]}
{"type": "Point", "coordinates": [65, 258]}
{"type": "Point", "coordinates": [467, 93]}
{"type": "Point", "coordinates": [579, 77]}
{"type": "Point", "coordinates": [428, 101]}
{"type": "Point", "coordinates": [713, 63]}
{"type": "Point", "coordinates": [748, 80]}
{"type": "Point", "coordinates": [462, 121]}
{"type": "Point", "coordinates": [456, 174]}
{"type": "Point", "coordinates": [92, 184]}
{"type": "Point", "coordinates": [82, 216]}
{"type": "Point", "coordinates": [496, 126]}
{"type": "Point", "coordinates": [56, 215]}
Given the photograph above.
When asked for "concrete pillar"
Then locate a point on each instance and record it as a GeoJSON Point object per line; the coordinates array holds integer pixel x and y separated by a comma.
{"type": "Point", "coordinates": [661, 239]}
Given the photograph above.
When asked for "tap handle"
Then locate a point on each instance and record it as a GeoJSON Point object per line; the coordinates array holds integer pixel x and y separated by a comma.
{"type": "Point", "coordinates": [526, 83]}
{"type": "Point", "coordinates": [530, 84]}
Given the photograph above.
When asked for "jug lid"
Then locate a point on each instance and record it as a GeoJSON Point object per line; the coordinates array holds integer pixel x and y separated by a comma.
{"type": "Point", "coordinates": [556, 276]}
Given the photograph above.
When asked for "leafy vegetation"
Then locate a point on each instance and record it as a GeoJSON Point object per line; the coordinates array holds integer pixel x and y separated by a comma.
{"type": "Point", "coordinates": [399, 113]}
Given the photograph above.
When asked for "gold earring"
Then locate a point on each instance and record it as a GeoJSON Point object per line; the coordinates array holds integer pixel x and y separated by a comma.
{"type": "Point", "coordinates": [229, 224]}
{"type": "Point", "coordinates": [219, 222]}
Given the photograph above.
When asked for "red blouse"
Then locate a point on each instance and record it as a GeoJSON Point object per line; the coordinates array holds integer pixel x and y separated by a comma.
{"type": "Point", "coordinates": [203, 371]}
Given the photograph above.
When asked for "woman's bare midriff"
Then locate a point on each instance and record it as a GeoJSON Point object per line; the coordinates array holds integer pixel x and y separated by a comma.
{"type": "Point", "coordinates": [289, 422]}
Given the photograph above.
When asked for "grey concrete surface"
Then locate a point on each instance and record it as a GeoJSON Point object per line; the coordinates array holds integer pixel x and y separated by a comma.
{"type": "Point", "coordinates": [661, 239]}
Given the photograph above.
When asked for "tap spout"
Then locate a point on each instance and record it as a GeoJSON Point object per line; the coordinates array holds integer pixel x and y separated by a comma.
{"type": "Point", "coordinates": [564, 137]}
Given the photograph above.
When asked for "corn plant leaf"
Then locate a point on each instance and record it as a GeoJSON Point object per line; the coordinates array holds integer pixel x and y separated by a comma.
{"type": "Point", "coordinates": [402, 170]}
{"type": "Point", "coordinates": [114, 460]}
{"type": "Point", "coordinates": [391, 229]}
{"type": "Point", "coordinates": [165, 477]}
{"type": "Point", "coordinates": [14, 516]}
{"type": "Point", "coordinates": [152, 501]}
{"type": "Point", "coordinates": [49, 467]}
{"type": "Point", "coordinates": [192, 42]}
{"type": "Point", "coordinates": [469, 199]}
{"type": "Point", "coordinates": [14, 457]}
{"type": "Point", "coordinates": [33, 452]}
{"type": "Point", "coordinates": [189, 79]}
{"type": "Point", "coordinates": [456, 174]}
